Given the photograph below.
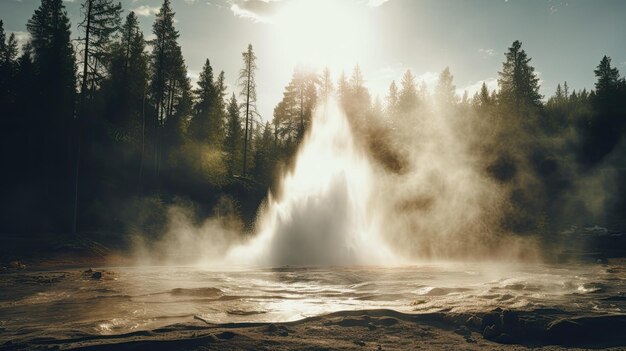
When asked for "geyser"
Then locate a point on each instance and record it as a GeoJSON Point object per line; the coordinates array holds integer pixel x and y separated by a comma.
{"type": "Point", "coordinates": [322, 216]}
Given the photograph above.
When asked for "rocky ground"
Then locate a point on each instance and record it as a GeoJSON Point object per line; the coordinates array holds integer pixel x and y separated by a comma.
{"type": "Point", "coordinates": [368, 330]}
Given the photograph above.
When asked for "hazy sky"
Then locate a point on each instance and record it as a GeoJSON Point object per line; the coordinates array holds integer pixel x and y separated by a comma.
{"type": "Point", "coordinates": [565, 39]}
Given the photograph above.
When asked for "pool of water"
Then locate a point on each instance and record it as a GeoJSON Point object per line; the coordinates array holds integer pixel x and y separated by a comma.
{"type": "Point", "coordinates": [67, 303]}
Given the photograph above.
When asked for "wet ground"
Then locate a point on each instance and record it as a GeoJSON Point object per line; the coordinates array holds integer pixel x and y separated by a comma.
{"type": "Point", "coordinates": [62, 305]}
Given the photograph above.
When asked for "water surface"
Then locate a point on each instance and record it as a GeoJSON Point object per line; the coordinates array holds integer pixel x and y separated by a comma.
{"type": "Point", "coordinates": [70, 303]}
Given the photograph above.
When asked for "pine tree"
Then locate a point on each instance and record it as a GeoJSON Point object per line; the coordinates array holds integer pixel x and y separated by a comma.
{"type": "Point", "coordinates": [408, 98]}
{"type": "Point", "coordinates": [8, 69]}
{"type": "Point", "coordinates": [482, 98]}
{"type": "Point", "coordinates": [343, 89]}
{"type": "Point", "coordinates": [519, 85]}
{"type": "Point", "coordinates": [101, 21]}
{"type": "Point", "coordinates": [170, 88]}
{"type": "Point", "coordinates": [608, 78]}
{"type": "Point", "coordinates": [392, 99]}
{"type": "Point", "coordinates": [54, 63]}
{"type": "Point", "coordinates": [304, 87]}
{"type": "Point", "coordinates": [445, 91]}
{"type": "Point", "coordinates": [247, 83]}
{"type": "Point", "coordinates": [128, 79]}
{"type": "Point", "coordinates": [205, 103]}
{"type": "Point", "coordinates": [233, 135]}
{"type": "Point", "coordinates": [220, 113]}
{"type": "Point", "coordinates": [326, 85]}
{"type": "Point", "coordinates": [263, 155]}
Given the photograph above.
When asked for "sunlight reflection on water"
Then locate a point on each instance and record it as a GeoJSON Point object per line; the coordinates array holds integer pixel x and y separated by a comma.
{"type": "Point", "coordinates": [129, 299]}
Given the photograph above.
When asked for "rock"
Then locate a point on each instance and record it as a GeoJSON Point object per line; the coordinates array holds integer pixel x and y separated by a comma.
{"type": "Point", "coordinates": [371, 326]}
{"type": "Point", "coordinates": [587, 330]}
{"type": "Point", "coordinates": [282, 331]}
{"type": "Point", "coordinates": [491, 319]}
{"type": "Point", "coordinates": [463, 330]}
{"type": "Point", "coordinates": [96, 275]}
{"type": "Point", "coordinates": [510, 322]}
{"type": "Point", "coordinates": [474, 322]}
{"type": "Point", "coordinates": [504, 338]}
{"type": "Point", "coordinates": [88, 271]}
{"type": "Point", "coordinates": [16, 265]}
{"type": "Point", "coordinates": [359, 342]}
{"type": "Point", "coordinates": [278, 330]}
{"type": "Point", "coordinates": [225, 335]}
{"type": "Point", "coordinates": [490, 332]}
{"type": "Point", "coordinates": [387, 321]}
{"type": "Point", "coordinates": [353, 322]}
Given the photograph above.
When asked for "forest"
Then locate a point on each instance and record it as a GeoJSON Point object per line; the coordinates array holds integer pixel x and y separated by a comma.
{"type": "Point", "coordinates": [101, 132]}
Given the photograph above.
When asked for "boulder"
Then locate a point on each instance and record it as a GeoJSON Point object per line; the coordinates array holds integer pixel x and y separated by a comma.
{"type": "Point", "coordinates": [490, 332]}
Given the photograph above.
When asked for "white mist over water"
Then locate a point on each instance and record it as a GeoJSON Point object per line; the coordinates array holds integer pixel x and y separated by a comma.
{"type": "Point", "coordinates": [322, 216]}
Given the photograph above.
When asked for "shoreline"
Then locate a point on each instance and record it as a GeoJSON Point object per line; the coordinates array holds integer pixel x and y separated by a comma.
{"type": "Point", "coordinates": [381, 329]}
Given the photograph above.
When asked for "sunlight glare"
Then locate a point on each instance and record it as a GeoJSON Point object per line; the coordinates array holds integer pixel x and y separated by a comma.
{"type": "Point", "coordinates": [322, 33]}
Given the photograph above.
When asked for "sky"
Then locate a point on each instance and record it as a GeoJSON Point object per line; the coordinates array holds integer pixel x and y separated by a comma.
{"type": "Point", "coordinates": [565, 39]}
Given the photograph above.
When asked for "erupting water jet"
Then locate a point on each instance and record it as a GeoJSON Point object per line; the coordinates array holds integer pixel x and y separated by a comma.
{"type": "Point", "coordinates": [322, 216]}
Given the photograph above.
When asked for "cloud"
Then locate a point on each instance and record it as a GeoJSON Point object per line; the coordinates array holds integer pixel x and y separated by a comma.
{"type": "Point", "coordinates": [473, 88]}
{"type": "Point", "coordinates": [266, 10]}
{"type": "Point", "coordinates": [376, 3]}
{"type": "Point", "coordinates": [429, 79]}
{"type": "Point", "coordinates": [555, 5]}
{"type": "Point", "coordinates": [487, 52]}
{"type": "Point", "coordinates": [146, 10]}
{"type": "Point", "coordinates": [257, 10]}
{"type": "Point", "coordinates": [392, 72]}
{"type": "Point", "coordinates": [193, 76]}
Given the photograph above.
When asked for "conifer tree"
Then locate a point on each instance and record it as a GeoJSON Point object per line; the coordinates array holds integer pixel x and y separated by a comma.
{"type": "Point", "coordinates": [54, 64]}
{"type": "Point", "coordinates": [519, 85]}
{"type": "Point", "coordinates": [408, 98]}
{"type": "Point", "coordinates": [232, 142]}
{"type": "Point", "coordinates": [170, 88]}
{"type": "Point", "coordinates": [100, 23]}
{"type": "Point", "coordinates": [247, 83]}
{"type": "Point", "coordinates": [392, 99]}
{"type": "Point", "coordinates": [445, 91]}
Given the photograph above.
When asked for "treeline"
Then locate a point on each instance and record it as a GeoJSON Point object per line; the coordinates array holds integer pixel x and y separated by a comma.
{"type": "Point", "coordinates": [104, 131]}
{"type": "Point", "coordinates": [105, 134]}
{"type": "Point", "coordinates": [558, 163]}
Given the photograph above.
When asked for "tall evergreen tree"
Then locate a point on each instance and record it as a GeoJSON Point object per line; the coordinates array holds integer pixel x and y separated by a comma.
{"type": "Point", "coordinates": [247, 83]}
{"type": "Point", "coordinates": [200, 126]}
{"type": "Point", "coordinates": [169, 85]}
{"type": "Point", "coordinates": [445, 91]}
{"type": "Point", "coordinates": [602, 133]}
{"type": "Point", "coordinates": [128, 79]}
{"type": "Point", "coordinates": [607, 83]}
{"type": "Point", "coordinates": [232, 142]}
{"type": "Point", "coordinates": [408, 98]}
{"type": "Point", "coordinates": [519, 85]}
{"type": "Point", "coordinates": [8, 69]}
{"type": "Point", "coordinates": [326, 84]}
{"type": "Point", "coordinates": [101, 21]}
{"type": "Point", "coordinates": [392, 99]}
{"type": "Point", "coordinates": [54, 63]}
{"type": "Point", "coordinates": [263, 156]}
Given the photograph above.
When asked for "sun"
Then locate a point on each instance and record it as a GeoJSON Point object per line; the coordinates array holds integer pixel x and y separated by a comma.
{"type": "Point", "coordinates": [331, 33]}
